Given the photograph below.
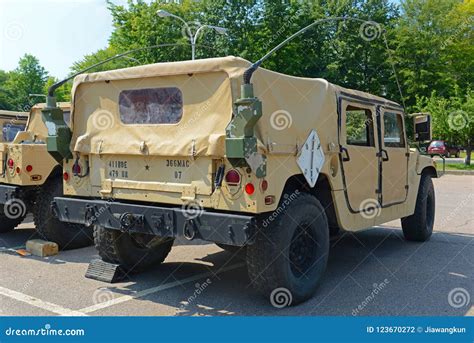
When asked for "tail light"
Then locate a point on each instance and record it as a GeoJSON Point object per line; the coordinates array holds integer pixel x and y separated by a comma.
{"type": "Point", "coordinates": [29, 168]}
{"type": "Point", "coordinates": [18, 170]}
{"type": "Point", "coordinates": [232, 177]}
{"type": "Point", "coordinates": [11, 163]}
{"type": "Point", "coordinates": [264, 185]}
{"type": "Point", "coordinates": [249, 188]}
{"type": "Point", "coordinates": [65, 176]}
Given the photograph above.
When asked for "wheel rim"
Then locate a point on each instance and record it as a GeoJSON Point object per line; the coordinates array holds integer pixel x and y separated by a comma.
{"type": "Point", "coordinates": [429, 211]}
{"type": "Point", "coordinates": [302, 250]}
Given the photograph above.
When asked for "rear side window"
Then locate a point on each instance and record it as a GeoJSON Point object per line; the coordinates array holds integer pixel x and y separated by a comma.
{"type": "Point", "coordinates": [151, 106]}
{"type": "Point", "coordinates": [393, 130]}
{"type": "Point", "coordinates": [10, 130]}
{"type": "Point", "coordinates": [359, 126]}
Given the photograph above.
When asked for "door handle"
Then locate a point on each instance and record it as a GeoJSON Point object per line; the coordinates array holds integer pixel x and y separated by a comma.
{"type": "Point", "coordinates": [346, 153]}
{"type": "Point", "coordinates": [382, 153]}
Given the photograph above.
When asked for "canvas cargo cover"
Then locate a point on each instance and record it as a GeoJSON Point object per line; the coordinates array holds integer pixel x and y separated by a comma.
{"type": "Point", "coordinates": [292, 106]}
{"type": "Point", "coordinates": [35, 126]}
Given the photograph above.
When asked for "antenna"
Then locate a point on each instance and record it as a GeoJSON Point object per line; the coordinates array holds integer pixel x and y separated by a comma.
{"type": "Point", "coordinates": [249, 72]}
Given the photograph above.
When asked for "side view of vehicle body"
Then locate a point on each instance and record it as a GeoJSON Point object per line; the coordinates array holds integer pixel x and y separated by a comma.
{"type": "Point", "coordinates": [29, 180]}
{"type": "Point", "coordinates": [443, 148]}
{"type": "Point", "coordinates": [272, 166]}
{"type": "Point", "coordinates": [12, 122]}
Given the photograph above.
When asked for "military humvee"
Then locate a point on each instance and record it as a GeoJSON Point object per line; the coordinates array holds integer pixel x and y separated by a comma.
{"type": "Point", "coordinates": [180, 149]}
{"type": "Point", "coordinates": [29, 180]}
{"type": "Point", "coordinates": [12, 122]}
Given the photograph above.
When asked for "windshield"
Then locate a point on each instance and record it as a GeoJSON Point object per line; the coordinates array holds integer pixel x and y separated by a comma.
{"type": "Point", "coordinates": [437, 144]}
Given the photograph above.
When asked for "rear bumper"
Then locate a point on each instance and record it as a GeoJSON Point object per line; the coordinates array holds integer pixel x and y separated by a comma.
{"type": "Point", "coordinates": [8, 192]}
{"type": "Point", "coordinates": [225, 228]}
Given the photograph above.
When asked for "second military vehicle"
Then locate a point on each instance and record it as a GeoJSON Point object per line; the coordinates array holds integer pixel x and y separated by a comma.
{"type": "Point", "coordinates": [29, 180]}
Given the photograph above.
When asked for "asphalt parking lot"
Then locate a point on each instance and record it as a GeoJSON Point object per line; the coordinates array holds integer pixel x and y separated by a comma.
{"type": "Point", "coordinates": [432, 278]}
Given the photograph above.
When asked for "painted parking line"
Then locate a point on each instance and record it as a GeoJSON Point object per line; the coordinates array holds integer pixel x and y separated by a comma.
{"type": "Point", "coordinates": [44, 305]}
{"type": "Point", "coordinates": [122, 299]}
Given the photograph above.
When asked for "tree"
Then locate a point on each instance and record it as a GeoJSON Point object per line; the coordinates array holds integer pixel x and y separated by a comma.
{"type": "Point", "coordinates": [452, 118]}
{"type": "Point", "coordinates": [29, 77]}
{"type": "Point", "coordinates": [5, 97]}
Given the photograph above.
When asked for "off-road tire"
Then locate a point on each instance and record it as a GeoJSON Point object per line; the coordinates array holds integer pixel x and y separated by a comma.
{"type": "Point", "coordinates": [270, 261]}
{"type": "Point", "coordinates": [419, 226]}
{"type": "Point", "coordinates": [66, 235]}
{"type": "Point", "coordinates": [120, 248]}
{"type": "Point", "coordinates": [9, 223]}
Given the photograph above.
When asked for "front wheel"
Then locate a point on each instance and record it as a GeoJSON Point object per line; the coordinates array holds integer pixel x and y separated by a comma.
{"type": "Point", "coordinates": [290, 253]}
{"type": "Point", "coordinates": [419, 226]}
{"type": "Point", "coordinates": [66, 235]}
{"type": "Point", "coordinates": [135, 252]}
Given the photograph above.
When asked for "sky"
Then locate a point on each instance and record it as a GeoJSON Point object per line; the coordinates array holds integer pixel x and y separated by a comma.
{"type": "Point", "coordinates": [57, 32]}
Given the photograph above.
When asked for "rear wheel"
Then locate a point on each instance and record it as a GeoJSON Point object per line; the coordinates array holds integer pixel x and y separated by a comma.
{"type": "Point", "coordinates": [289, 256]}
{"type": "Point", "coordinates": [135, 252]}
{"type": "Point", "coordinates": [11, 215]}
{"type": "Point", "coordinates": [66, 235]}
{"type": "Point", "coordinates": [419, 226]}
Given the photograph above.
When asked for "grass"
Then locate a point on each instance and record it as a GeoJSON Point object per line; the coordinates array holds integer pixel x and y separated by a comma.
{"type": "Point", "coordinates": [454, 166]}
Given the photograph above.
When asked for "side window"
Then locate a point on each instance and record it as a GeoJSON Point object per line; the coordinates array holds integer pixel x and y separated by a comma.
{"type": "Point", "coordinates": [359, 126]}
{"type": "Point", "coordinates": [67, 117]}
{"type": "Point", "coordinates": [151, 106]}
{"type": "Point", "coordinates": [10, 130]}
{"type": "Point", "coordinates": [393, 130]}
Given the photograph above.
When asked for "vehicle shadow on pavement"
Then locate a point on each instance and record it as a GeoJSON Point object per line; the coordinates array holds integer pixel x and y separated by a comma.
{"type": "Point", "coordinates": [370, 273]}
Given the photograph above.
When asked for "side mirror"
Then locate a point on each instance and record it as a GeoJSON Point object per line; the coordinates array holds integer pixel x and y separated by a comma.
{"type": "Point", "coordinates": [422, 127]}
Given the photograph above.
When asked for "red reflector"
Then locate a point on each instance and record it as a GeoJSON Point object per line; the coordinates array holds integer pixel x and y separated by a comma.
{"type": "Point", "coordinates": [65, 176]}
{"type": "Point", "coordinates": [18, 170]}
{"type": "Point", "coordinates": [264, 185]}
{"type": "Point", "coordinates": [232, 176]}
{"type": "Point", "coordinates": [269, 199]}
{"type": "Point", "coordinates": [76, 169]}
{"type": "Point", "coordinates": [249, 188]}
{"type": "Point", "coordinates": [10, 163]}
{"type": "Point", "coordinates": [29, 168]}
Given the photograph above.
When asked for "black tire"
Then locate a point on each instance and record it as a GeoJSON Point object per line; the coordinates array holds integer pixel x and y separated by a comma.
{"type": "Point", "coordinates": [8, 222]}
{"type": "Point", "coordinates": [291, 252]}
{"type": "Point", "coordinates": [66, 235]}
{"type": "Point", "coordinates": [134, 252]}
{"type": "Point", "coordinates": [419, 226]}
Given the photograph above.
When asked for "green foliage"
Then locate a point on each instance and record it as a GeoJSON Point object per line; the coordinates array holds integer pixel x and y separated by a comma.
{"type": "Point", "coordinates": [28, 78]}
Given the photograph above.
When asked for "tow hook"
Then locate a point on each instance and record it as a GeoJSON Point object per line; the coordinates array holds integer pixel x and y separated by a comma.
{"type": "Point", "coordinates": [129, 220]}
{"type": "Point", "coordinates": [189, 230]}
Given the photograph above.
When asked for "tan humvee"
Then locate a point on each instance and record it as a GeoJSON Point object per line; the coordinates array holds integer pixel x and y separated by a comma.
{"type": "Point", "coordinates": [12, 122]}
{"type": "Point", "coordinates": [180, 149]}
{"type": "Point", "coordinates": [30, 178]}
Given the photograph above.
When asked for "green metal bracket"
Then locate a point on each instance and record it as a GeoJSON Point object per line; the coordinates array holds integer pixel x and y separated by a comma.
{"type": "Point", "coordinates": [241, 143]}
{"type": "Point", "coordinates": [59, 134]}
